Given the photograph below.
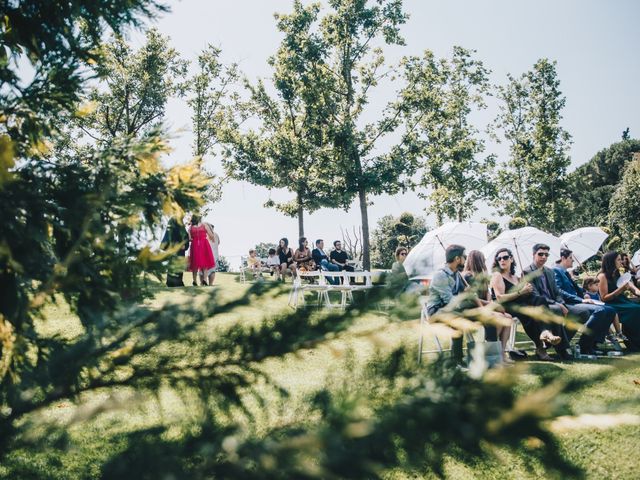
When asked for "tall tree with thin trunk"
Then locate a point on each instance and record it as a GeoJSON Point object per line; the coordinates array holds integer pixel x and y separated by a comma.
{"type": "Point", "coordinates": [214, 102]}
{"type": "Point", "coordinates": [350, 30]}
{"type": "Point", "coordinates": [135, 87]}
{"type": "Point", "coordinates": [533, 182]}
{"type": "Point", "coordinates": [440, 98]}
{"type": "Point", "coordinates": [289, 149]}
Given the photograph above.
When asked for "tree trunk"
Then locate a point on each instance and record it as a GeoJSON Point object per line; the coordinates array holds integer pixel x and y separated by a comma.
{"type": "Point", "coordinates": [364, 214]}
{"type": "Point", "coordinates": [300, 218]}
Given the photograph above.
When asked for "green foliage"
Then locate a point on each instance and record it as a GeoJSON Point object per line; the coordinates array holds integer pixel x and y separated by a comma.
{"type": "Point", "coordinates": [289, 149]}
{"type": "Point", "coordinates": [624, 208]}
{"type": "Point", "coordinates": [391, 232]}
{"type": "Point", "coordinates": [262, 249]}
{"type": "Point", "coordinates": [58, 40]}
{"type": "Point", "coordinates": [222, 264]}
{"type": "Point", "coordinates": [593, 184]}
{"type": "Point", "coordinates": [76, 216]}
{"type": "Point", "coordinates": [533, 184]}
{"type": "Point", "coordinates": [138, 85]}
{"type": "Point", "coordinates": [215, 105]}
{"type": "Point", "coordinates": [439, 98]}
{"type": "Point", "coordinates": [516, 222]}
{"type": "Point", "coordinates": [493, 228]}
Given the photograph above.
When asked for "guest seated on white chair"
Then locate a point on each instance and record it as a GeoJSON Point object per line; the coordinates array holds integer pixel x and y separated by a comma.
{"type": "Point", "coordinates": [322, 261]}
{"type": "Point", "coordinates": [339, 257]}
{"type": "Point", "coordinates": [254, 264]}
{"type": "Point", "coordinates": [273, 263]}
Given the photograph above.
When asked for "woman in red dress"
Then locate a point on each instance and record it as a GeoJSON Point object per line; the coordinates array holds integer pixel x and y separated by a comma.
{"type": "Point", "coordinates": [200, 255]}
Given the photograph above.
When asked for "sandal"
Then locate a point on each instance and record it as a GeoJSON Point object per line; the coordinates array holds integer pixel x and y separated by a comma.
{"type": "Point", "coordinates": [550, 338]}
{"type": "Point", "coordinates": [542, 354]}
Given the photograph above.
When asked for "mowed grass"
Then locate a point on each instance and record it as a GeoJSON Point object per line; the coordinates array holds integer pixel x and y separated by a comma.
{"type": "Point", "coordinates": [601, 453]}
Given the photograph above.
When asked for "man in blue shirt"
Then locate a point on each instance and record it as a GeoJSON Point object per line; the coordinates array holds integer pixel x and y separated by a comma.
{"type": "Point", "coordinates": [447, 283]}
{"type": "Point", "coordinates": [598, 317]}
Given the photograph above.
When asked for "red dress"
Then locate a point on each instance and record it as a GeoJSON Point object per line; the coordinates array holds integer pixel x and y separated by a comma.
{"type": "Point", "coordinates": [200, 256]}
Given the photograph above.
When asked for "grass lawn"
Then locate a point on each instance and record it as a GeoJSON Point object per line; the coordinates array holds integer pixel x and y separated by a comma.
{"type": "Point", "coordinates": [602, 453]}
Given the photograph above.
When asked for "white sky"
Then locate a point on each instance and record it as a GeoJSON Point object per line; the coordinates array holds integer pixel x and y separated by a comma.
{"type": "Point", "coordinates": [594, 42]}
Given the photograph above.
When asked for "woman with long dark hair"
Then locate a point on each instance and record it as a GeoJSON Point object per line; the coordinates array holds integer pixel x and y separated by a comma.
{"type": "Point", "coordinates": [508, 291]}
{"type": "Point", "coordinates": [477, 277]}
{"type": "Point", "coordinates": [285, 255]}
{"type": "Point", "coordinates": [302, 256]}
{"type": "Point", "coordinates": [614, 296]}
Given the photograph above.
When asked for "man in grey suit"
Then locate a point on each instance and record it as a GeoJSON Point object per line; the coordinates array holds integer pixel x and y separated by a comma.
{"type": "Point", "coordinates": [546, 293]}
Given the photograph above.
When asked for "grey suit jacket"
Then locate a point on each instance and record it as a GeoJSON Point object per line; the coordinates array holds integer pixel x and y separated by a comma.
{"type": "Point", "coordinates": [551, 282]}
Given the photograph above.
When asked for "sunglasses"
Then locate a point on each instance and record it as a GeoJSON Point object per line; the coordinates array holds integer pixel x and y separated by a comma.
{"type": "Point", "coordinates": [504, 257]}
{"type": "Point", "coordinates": [543, 254]}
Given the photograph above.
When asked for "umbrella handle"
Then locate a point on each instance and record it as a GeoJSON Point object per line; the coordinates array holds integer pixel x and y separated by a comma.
{"type": "Point", "coordinates": [518, 253]}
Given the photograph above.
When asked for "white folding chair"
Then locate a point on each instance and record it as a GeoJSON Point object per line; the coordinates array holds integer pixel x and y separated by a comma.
{"type": "Point", "coordinates": [424, 325]}
{"type": "Point", "coordinates": [296, 296]}
{"type": "Point", "coordinates": [341, 286]}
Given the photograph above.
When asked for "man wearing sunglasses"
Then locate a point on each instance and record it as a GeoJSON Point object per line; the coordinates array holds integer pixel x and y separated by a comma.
{"type": "Point", "coordinates": [546, 293]}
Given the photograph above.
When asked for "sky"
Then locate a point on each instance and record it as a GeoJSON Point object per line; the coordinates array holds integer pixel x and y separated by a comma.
{"type": "Point", "coordinates": [595, 45]}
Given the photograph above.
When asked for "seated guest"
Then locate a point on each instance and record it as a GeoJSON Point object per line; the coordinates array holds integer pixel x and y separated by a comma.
{"type": "Point", "coordinates": [591, 288]}
{"type": "Point", "coordinates": [302, 256]}
{"type": "Point", "coordinates": [285, 255]}
{"type": "Point", "coordinates": [476, 276]}
{"type": "Point", "coordinates": [547, 294]}
{"type": "Point", "coordinates": [614, 296]}
{"type": "Point", "coordinates": [398, 280]}
{"type": "Point", "coordinates": [254, 263]}
{"type": "Point", "coordinates": [447, 283]}
{"type": "Point", "coordinates": [512, 294]}
{"type": "Point", "coordinates": [339, 257]}
{"type": "Point", "coordinates": [321, 260]}
{"type": "Point", "coordinates": [273, 263]}
{"type": "Point", "coordinates": [597, 318]}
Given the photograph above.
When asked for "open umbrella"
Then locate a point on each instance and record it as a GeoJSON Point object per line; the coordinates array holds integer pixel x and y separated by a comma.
{"type": "Point", "coordinates": [521, 241]}
{"type": "Point", "coordinates": [429, 255]}
{"type": "Point", "coordinates": [584, 242]}
{"type": "Point", "coordinates": [636, 258]}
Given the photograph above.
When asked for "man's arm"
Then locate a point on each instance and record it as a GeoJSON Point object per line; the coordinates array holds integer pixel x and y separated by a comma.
{"type": "Point", "coordinates": [560, 281]}
{"type": "Point", "coordinates": [440, 287]}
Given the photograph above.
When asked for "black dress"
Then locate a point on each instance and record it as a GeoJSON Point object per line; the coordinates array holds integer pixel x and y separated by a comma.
{"type": "Point", "coordinates": [532, 327]}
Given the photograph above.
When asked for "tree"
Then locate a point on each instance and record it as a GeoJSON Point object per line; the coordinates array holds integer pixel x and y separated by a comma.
{"type": "Point", "coordinates": [406, 230]}
{"type": "Point", "coordinates": [516, 222]}
{"type": "Point", "coordinates": [593, 184]}
{"type": "Point", "coordinates": [214, 103]}
{"type": "Point", "coordinates": [493, 228]}
{"type": "Point", "coordinates": [624, 209]}
{"type": "Point", "coordinates": [290, 149]}
{"type": "Point", "coordinates": [533, 183]}
{"type": "Point", "coordinates": [136, 87]}
{"type": "Point", "coordinates": [350, 31]}
{"type": "Point", "coordinates": [625, 134]}
{"type": "Point", "coordinates": [439, 98]}
{"type": "Point", "coordinates": [262, 249]}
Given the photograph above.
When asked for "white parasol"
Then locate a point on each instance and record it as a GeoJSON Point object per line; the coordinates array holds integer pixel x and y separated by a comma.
{"type": "Point", "coordinates": [521, 241]}
{"type": "Point", "coordinates": [584, 242]}
{"type": "Point", "coordinates": [429, 255]}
